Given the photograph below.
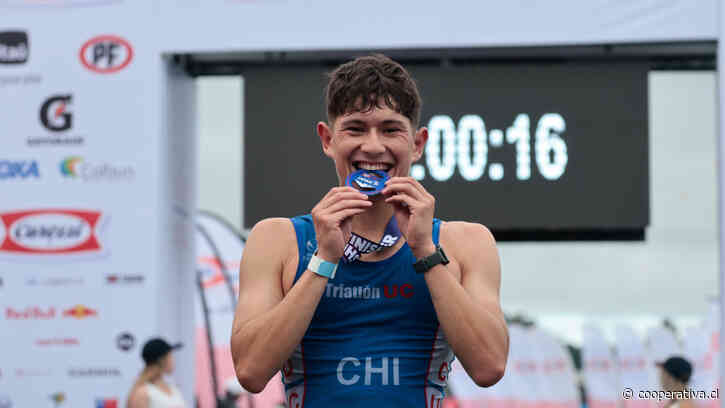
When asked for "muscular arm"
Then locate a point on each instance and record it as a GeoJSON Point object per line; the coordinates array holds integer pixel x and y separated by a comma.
{"type": "Point", "coordinates": [469, 312]}
{"type": "Point", "coordinates": [267, 324]}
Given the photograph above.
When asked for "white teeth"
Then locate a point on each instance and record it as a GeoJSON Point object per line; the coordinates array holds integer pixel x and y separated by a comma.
{"type": "Point", "coordinates": [373, 166]}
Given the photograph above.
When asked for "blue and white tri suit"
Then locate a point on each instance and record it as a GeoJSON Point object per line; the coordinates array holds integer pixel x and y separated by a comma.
{"type": "Point", "coordinates": [374, 340]}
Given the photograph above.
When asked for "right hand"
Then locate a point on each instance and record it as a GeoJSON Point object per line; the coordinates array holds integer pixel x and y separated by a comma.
{"type": "Point", "coordinates": [332, 217]}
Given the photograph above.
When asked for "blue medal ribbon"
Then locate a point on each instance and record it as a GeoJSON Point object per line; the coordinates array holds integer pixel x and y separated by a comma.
{"type": "Point", "coordinates": [358, 245]}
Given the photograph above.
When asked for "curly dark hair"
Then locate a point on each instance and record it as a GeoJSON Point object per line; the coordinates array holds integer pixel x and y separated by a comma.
{"type": "Point", "coordinates": [365, 82]}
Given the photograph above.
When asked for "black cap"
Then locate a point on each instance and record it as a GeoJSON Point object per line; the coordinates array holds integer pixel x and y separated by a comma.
{"type": "Point", "coordinates": [678, 367]}
{"type": "Point", "coordinates": [157, 348]}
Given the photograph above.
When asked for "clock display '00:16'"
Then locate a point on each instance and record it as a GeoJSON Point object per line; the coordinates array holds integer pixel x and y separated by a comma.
{"type": "Point", "coordinates": [449, 147]}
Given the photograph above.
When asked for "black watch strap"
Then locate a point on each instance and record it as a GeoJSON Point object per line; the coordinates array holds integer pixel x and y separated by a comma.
{"type": "Point", "coordinates": [425, 264]}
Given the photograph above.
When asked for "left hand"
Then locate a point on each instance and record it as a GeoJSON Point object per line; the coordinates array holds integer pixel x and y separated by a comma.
{"type": "Point", "coordinates": [414, 208]}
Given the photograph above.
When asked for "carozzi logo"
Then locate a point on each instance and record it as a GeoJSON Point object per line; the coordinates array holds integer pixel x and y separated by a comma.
{"type": "Point", "coordinates": [54, 113]}
{"type": "Point", "coordinates": [57, 232]}
{"type": "Point", "coordinates": [19, 170]}
{"type": "Point", "coordinates": [106, 54]}
{"type": "Point", "coordinates": [14, 47]}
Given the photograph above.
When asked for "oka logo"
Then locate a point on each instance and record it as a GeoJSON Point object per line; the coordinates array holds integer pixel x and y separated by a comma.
{"type": "Point", "coordinates": [106, 54]}
{"type": "Point", "coordinates": [14, 47]}
{"type": "Point", "coordinates": [54, 114]}
{"type": "Point", "coordinates": [22, 169]}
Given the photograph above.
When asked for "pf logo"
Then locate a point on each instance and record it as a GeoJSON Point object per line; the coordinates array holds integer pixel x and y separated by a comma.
{"type": "Point", "coordinates": [54, 114]}
{"type": "Point", "coordinates": [106, 54]}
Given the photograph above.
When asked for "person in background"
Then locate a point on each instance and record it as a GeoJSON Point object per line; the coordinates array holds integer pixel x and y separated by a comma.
{"type": "Point", "coordinates": [151, 390]}
{"type": "Point", "coordinates": [675, 373]}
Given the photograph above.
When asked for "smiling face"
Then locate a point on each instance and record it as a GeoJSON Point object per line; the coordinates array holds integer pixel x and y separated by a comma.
{"type": "Point", "coordinates": [376, 139]}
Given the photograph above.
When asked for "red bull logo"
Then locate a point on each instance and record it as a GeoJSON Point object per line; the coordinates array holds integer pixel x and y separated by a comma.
{"type": "Point", "coordinates": [79, 312]}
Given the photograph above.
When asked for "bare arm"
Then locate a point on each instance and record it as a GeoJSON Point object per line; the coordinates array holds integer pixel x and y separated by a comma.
{"type": "Point", "coordinates": [469, 312]}
{"type": "Point", "coordinates": [268, 324]}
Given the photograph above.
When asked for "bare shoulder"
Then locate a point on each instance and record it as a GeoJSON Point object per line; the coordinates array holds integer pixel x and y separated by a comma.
{"type": "Point", "coordinates": [271, 237]}
{"type": "Point", "coordinates": [139, 397]}
{"type": "Point", "coordinates": [466, 237]}
{"type": "Point", "coordinates": [474, 248]}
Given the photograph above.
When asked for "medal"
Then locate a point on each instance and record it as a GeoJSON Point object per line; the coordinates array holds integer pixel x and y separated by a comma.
{"type": "Point", "coordinates": [368, 182]}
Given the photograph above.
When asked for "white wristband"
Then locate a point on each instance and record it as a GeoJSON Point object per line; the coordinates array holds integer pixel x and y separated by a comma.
{"type": "Point", "coordinates": [322, 267]}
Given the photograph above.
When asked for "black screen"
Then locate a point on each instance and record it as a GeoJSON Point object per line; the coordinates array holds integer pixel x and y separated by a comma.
{"type": "Point", "coordinates": [519, 147]}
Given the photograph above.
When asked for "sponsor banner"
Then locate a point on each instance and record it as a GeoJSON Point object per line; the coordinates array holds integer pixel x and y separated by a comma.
{"type": "Point", "coordinates": [28, 234]}
{"type": "Point", "coordinates": [82, 145]}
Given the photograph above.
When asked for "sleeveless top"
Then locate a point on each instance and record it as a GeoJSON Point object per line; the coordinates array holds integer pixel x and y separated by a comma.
{"type": "Point", "coordinates": [159, 399]}
{"type": "Point", "coordinates": [374, 338]}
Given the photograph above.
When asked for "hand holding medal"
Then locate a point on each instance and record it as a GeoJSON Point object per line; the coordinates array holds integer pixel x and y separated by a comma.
{"type": "Point", "coordinates": [414, 208]}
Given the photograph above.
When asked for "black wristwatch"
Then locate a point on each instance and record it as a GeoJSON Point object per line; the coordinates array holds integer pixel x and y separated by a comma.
{"type": "Point", "coordinates": [425, 264]}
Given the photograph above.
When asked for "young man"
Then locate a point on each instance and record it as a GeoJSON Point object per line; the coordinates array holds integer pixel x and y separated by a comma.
{"type": "Point", "coordinates": [348, 327]}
